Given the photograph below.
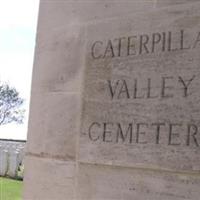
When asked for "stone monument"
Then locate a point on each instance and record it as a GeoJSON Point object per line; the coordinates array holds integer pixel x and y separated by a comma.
{"type": "Point", "coordinates": [115, 101]}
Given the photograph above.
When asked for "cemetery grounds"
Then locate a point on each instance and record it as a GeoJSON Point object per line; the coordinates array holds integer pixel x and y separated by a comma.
{"type": "Point", "coordinates": [10, 189]}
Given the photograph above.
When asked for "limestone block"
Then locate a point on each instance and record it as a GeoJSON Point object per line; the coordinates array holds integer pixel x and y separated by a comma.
{"type": "Point", "coordinates": [36, 134]}
{"type": "Point", "coordinates": [137, 109]}
{"type": "Point", "coordinates": [61, 48]}
{"type": "Point", "coordinates": [3, 162]}
{"type": "Point", "coordinates": [161, 3]}
{"type": "Point", "coordinates": [50, 179]}
{"type": "Point", "coordinates": [78, 12]}
{"type": "Point", "coordinates": [98, 182]}
{"type": "Point", "coordinates": [52, 128]}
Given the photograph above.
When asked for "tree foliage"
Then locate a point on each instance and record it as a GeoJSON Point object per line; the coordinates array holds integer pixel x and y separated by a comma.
{"type": "Point", "coordinates": [10, 105]}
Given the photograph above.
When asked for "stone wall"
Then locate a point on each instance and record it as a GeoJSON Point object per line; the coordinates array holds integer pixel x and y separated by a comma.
{"type": "Point", "coordinates": [11, 157]}
{"type": "Point", "coordinates": [115, 118]}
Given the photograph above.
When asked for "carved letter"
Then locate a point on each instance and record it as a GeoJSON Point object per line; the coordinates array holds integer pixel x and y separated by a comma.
{"type": "Point", "coordinates": [113, 88]}
{"type": "Point", "coordinates": [136, 91]}
{"type": "Point", "coordinates": [195, 130]}
{"type": "Point", "coordinates": [149, 90]}
{"type": "Point", "coordinates": [124, 89]}
{"type": "Point", "coordinates": [158, 125]}
{"type": "Point", "coordinates": [124, 136]}
{"type": "Point", "coordinates": [185, 85]}
{"type": "Point", "coordinates": [144, 39]}
{"type": "Point", "coordinates": [164, 87]}
{"type": "Point", "coordinates": [197, 40]}
{"type": "Point", "coordinates": [171, 134]}
{"type": "Point", "coordinates": [93, 50]}
{"type": "Point", "coordinates": [182, 41]}
{"type": "Point", "coordinates": [131, 46]}
{"type": "Point", "coordinates": [156, 37]}
{"type": "Point", "coordinates": [119, 45]}
{"type": "Point", "coordinates": [90, 133]}
{"type": "Point", "coordinates": [170, 42]}
{"type": "Point", "coordinates": [109, 50]}
{"type": "Point", "coordinates": [138, 133]}
{"type": "Point", "coordinates": [105, 132]}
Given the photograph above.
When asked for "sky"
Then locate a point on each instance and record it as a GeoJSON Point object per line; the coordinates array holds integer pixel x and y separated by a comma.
{"type": "Point", "coordinates": [18, 21]}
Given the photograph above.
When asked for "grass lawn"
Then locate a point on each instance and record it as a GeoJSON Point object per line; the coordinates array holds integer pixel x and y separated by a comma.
{"type": "Point", "coordinates": [10, 189]}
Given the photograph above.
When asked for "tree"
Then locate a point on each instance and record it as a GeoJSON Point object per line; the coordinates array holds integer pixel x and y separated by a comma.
{"type": "Point", "coordinates": [10, 105]}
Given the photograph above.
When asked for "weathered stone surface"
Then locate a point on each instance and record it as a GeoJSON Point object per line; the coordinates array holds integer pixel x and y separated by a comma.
{"type": "Point", "coordinates": [141, 94]}
{"type": "Point", "coordinates": [161, 3]}
{"type": "Point", "coordinates": [60, 163]}
{"type": "Point", "coordinates": [52, 50]}
{"type": "Point", "coordinates": [116, 183]}
{"type": "Point", "coordinates": [57, 126]}
{"type": "Point", "coordinates": [50, 179]}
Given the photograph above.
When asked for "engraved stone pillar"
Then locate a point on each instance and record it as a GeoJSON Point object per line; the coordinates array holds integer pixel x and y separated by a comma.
{"type": "Point", "coordinates": [114, 110]}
